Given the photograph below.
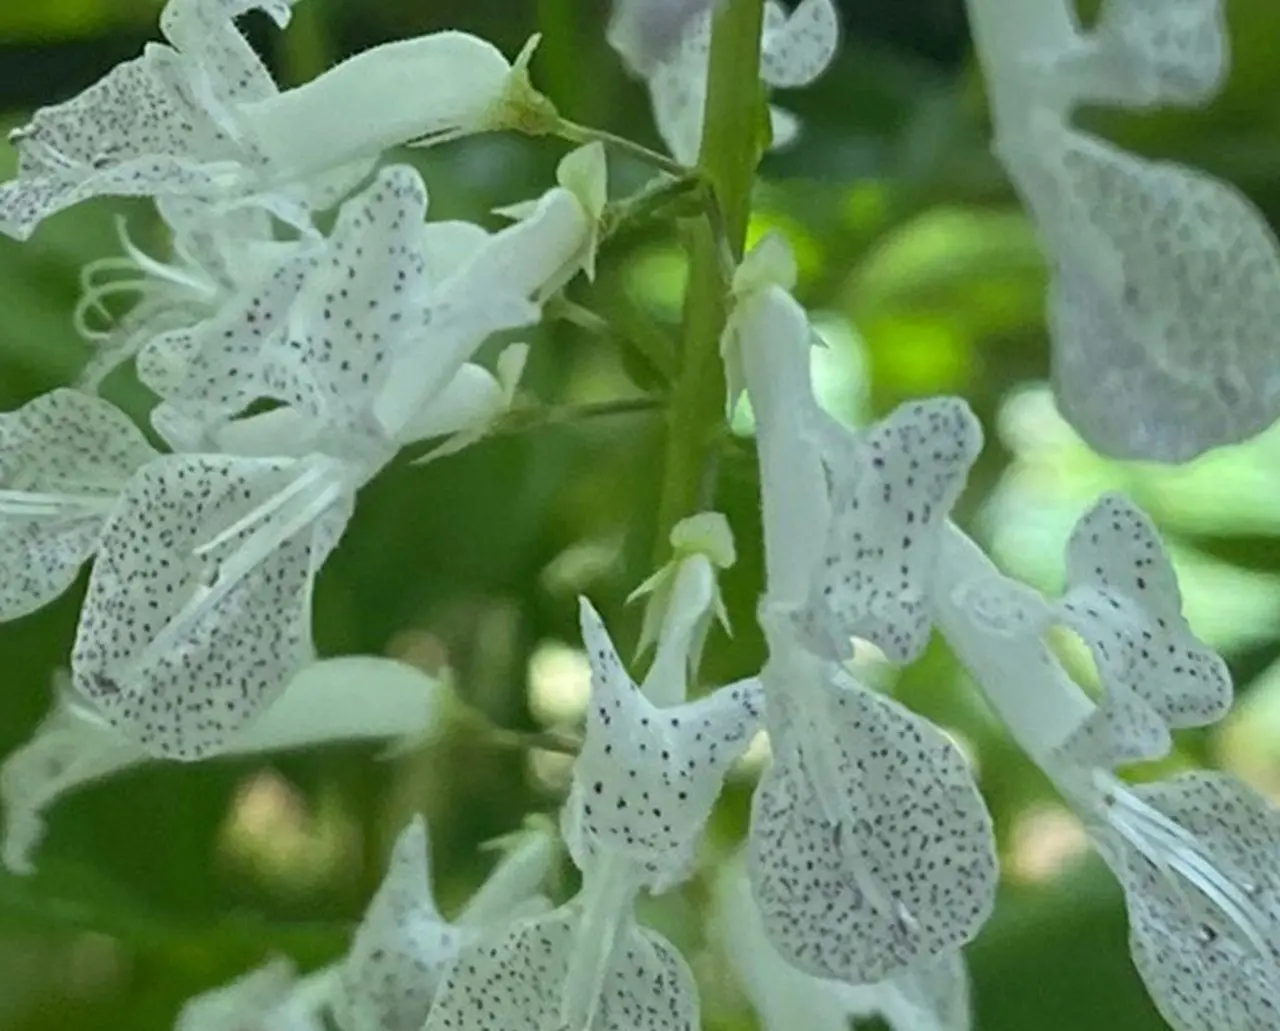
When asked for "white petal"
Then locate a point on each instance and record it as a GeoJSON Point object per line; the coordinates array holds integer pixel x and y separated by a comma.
{"type": "Point", "coordinates": [678, 89]}
{"type": "Point", "coordinates": [892, 491]}
{"type": "Point", "coordinates": [204, 32]}
{"type": "Point", "coordinates": [402, 949]}
{"type": "Point", "coordinates": [770, 333]}
{"type": "Point", "coordinates": [361, 106]}
{"type": "Point", "coordinates": [64, 459]}
{"type": "Point", "coordinates": [447, 245]}
{"type": "Point", "coordinates": [1123, 599]}
{"type": "Point", "coordinates": [513, 980]}
{"type": "Point", "coordinates": [257, 1001]}
{"type": "Point", "coordinates": [129, 134]}
{"type": "Point", "coordinates": [364, 297]}
{"type": "Point", "coordinates": [214, 370]}
{"type": "Point", "coordinates": [71, 748]}
{"type": "Point", "coordinates": [537, 255]}
{"type": "Point", "coordinates": [647, 32]}
{"type": "Point", "coordinates": [646, 778]}
{"type": "Point", "coordinates": [799, 49]}
{"type": "Point", "coordinates": [458, 323]}
{"type": "Point", "coordinates": [870, 847]}
{"type": "Point", "coordinates": [1166, 293]}
{"type": "Point", "coordinates": [473, 397]}
{"type": "Point", "coordinates": [351, 698]}
{"type": "Point", "coordinates": [182, 641]}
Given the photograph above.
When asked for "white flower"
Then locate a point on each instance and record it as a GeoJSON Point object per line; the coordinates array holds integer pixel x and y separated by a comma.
{"type": "Point", "coordinates": [797, 47]}
{"type": "Point", "coordinates": [164, 124]}
{"type": "Point", "coordinates": [404, 948]}
{"type": "Point", "coordinates": [1166, 281]}
{"type": "Point", "coordinates": [65, 459]}
{"type": "Point", "coordinates": [344, 699]}
{"type": "Point", "coordinates": [870, 848]}
{"type": "Point", "coordinates": [1196, 854]}
{"type": "Point", "coordinates": [648, 775]}
{"type": "Point", "coordinates": [644, 32]}
{"type": "Point", "coordinates": [458, 85]}
{"type": "Point", "coordinates": [270, 998]}
{"type": "Point", "coordinates": [684, 597]}
{"type": "Point", "coordinates": [931, 997]}
{"type": "Point", "coordinates": [643, 788]}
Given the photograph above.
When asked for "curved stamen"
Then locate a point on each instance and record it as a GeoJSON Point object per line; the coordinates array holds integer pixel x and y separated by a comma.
{"type": "Point", "coordinates": [1181, 857]}
{"type": "Point", "coordinates": [271, 534]}
{"type": "Point", "coordinates": [24, 504]}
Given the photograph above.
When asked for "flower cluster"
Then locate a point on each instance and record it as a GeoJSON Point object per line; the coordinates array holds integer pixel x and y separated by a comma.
{"type": "Point", "coordinates": [291, 365]}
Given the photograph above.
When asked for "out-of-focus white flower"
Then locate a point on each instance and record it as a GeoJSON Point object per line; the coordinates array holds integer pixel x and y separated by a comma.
{"type": "Point", "coordinates": [404, 948]}
{"type": "Point", "coordinates": [797, 47]}
{"type": "Point", "coordinates": [346, 699]}
{"type": "Point", "coordinates": [1166, 281]}
{"type": "Point", "coordinates": [271, 998]}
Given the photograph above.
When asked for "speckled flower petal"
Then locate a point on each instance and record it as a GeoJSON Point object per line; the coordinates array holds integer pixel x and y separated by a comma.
{"type": "Point", "coordinates": [64, 460]}
{"type": "Point", "coordinates": [646, 778]}
{"type": "Point", "coordinates": [870, 847]}
{"type": "Point", "coordinates": [799, 47]}
{"type": "Point", "coordinates": [402, 950]}
{"type": "Point", "coordinates": [1206, 938]}
{"type": "Point", "coordinates": [513, 980]}
{"type": "Point", "coordinates": [199, 605]}
{"type": "Point", "coordinates": [1165, 294]}
{"type": "Point", "coordinates": [892, 489]}
{"type": "Point", "coordinates": [1123, 599]}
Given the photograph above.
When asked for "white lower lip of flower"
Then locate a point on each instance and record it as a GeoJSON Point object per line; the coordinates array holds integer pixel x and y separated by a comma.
{"type": "Point", "coordinates": [323, 482]}
{"type": "Point", "coordinates": [1180, 857]}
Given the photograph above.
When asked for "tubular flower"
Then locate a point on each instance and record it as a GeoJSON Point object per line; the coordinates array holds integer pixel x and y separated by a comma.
{"type": "Point", "coordinates": [1166, 281]}
{"type": "Point", "coordinates": [1195, 853]}
{"type": "Point", "coordinates": [844, 892]}
{"type": "Point", "coordinates": [345, 699]}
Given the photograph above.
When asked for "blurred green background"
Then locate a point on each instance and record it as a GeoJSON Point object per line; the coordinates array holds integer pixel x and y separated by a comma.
{"type": "Point", "coordinates": [169, 880]}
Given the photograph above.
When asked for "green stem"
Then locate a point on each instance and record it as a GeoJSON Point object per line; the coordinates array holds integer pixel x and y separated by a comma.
{"type": "Point", "coordinates": [732, 139]}
{"type": "Point", "coordinates": [575, 133]}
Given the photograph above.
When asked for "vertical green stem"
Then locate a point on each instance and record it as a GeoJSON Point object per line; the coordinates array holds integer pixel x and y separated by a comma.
{"type": "Point", "coordinates": [732, 141]}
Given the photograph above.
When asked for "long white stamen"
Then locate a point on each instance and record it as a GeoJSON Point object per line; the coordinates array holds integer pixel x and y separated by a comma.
{"type": "Point", "coordinates": [255, 550]}
{"type": "Point", "coordinates": [1175, 851]}
{"type": "Point", "coordinates": [33, 504]}
{"type": "Point", "coordinates": [268, 508]}
{"type": "Point", "coordinates": [607, 891]}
